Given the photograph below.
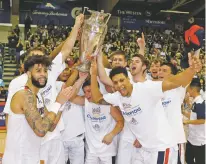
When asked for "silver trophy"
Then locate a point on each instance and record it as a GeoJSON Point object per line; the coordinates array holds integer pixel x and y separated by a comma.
{"type": "Point", "coordinates": [93, 33]}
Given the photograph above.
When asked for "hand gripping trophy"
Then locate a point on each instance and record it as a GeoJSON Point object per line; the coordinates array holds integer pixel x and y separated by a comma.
{"type": "Point", "coordinates": [93, 33]}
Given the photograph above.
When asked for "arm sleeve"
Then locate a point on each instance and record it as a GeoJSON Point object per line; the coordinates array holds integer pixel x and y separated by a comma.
{"type": "Point", "coordinates": [153, 88]}
{"type": "Point", "coordinates": [200, 110]}
{"type": "Point", "coordinates": [112, 98]}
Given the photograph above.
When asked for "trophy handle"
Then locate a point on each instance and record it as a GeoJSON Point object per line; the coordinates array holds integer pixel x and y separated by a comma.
{"type": "Point", "coordinates": [109, 15]}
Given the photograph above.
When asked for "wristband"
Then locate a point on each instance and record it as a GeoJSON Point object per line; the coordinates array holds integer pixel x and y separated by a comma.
{"type": "Point", "coordinates": [62, 107]}
{"type": "Point", "coordinates": [55, 107]}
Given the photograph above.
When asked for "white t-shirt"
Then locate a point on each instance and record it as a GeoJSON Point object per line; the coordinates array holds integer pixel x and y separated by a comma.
{"type": "Point", "coordinates": [196, 134]}
{"type": "Point", "coordinates": [72, 115]}
{"type": "Point", "coordinates": [172, 102]}
{"type": "Point", "coordinates": [98, 123]}
{"type": "Point", "coordinates": [22, 144]}
{"type": "Point", "coordinates": [49, 92]}
{"type": "Point", "coordinates": [145, 115]}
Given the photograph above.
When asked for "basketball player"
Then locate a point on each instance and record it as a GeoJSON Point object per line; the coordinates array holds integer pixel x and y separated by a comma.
{"type": "Point", "coordinates": [145, 119]}
{"type": "Point", "coordinates": [72, 115]}
{"type": "Point", "coordinates": [101, 143]}
{"type": "Point", "coordinates": [52, 150]}
{"type": "Point", "coordinates": [118, 60]}
{"type": "Point", "coordinates": [126, 138]}
{"type": "Point", "coordinates": [25, 124]}
{"type": "Point", "coordinates": [172, 102]}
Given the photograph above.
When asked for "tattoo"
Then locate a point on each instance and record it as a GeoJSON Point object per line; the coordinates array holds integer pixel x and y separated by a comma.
{"type": "Point", "coordinates": [103, 102]}
{"type": "Point", "coordinates": [39, 125]}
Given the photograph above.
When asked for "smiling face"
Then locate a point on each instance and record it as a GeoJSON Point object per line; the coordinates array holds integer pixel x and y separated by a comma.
{"type": "Point", "coordinates": [38, 75]}
{"type": "Point", "coordinates": [122, 84]}
{"type": "Point", "coordinates": [164, 72]}
{"type": "Point", "coordinates": [154, 69]}
{"type": "Point", "coordinates": [64, 75]}
{"type": "Point", "coordinates": [136, 66]}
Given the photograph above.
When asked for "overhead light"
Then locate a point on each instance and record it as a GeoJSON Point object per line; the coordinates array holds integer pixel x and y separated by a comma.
{"type": "Point", "coordinates": [174, 11]}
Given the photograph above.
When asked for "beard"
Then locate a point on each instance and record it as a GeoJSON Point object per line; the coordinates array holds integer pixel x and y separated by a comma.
{"type": "Point", "coordinates": [37, 84]}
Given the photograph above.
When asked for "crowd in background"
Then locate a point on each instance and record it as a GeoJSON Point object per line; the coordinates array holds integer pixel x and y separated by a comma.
{"type": "Point", "coordinates": [161, 44]}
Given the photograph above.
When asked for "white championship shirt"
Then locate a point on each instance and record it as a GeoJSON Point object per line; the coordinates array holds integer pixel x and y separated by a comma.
{"type": "Point", "coordinates": [172, 102]}
{"type": "Point", "coordinates": [72, 116]}
{"type": "Point", "coordinates": [22, 144]}
{"type": "Point", "coordinates": [145, 115]}
{"type": "Point", "coordinates": [49, 92]}
{"type": "Point", "coordinates": [98, 123]}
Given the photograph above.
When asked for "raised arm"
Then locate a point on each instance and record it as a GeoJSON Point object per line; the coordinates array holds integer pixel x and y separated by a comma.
{"type": "Point", "coordinates": [141, 43]}
{"type": "Point", "coordinates": [72, 78]}
{"type": "Point", "coordinates": [183, 78]}
{"type": "Point", "coordinates": [96, 94]}
{"type": "Point", "coordinates": [101, 71]}
{"type": "Point", "coordinates": [70, 41]}
{"type": "Point", "coordinates": [56, 51]}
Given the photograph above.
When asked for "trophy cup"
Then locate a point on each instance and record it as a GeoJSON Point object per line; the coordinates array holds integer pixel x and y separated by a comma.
{"type": "Point", "coordinates": [93, 33]}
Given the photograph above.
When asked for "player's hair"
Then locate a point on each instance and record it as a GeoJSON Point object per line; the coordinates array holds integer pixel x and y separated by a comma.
{"type": "Point", "coordinates": [195, 83]}
{"type": "Point", "coordinates": [173, 68]}
{"type": "Point", "coordinates": [118, 52]}
{"type": "Point", "coordinates": [118, 70]}
{"type": "Point", "coordinates": [87, 83]}
{"type": "Point", "coordinates": [37, 59]}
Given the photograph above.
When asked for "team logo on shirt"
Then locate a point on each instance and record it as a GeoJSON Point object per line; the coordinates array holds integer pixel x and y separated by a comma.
{"type": "Point", "coordinates": [133, 121]}
{"type": "Point", "coordinates": [46, 91]}
{"type": "Point", "coordinates": [126, 106]}
{"type": "Point", "coordinates": [96, 111]}
{"type": "Point", "coordinates": [134, 111]}
{"type": "Point", "coordinates": [96, 116]}
{"type": "Point", "coordinates": [67, 105]}
{"type": "Point", "coordinates": [47, 101]}
{"type": "Point", "coordinates": [96, 127]}
{"type": "Point", "coordinates": [165, 102]}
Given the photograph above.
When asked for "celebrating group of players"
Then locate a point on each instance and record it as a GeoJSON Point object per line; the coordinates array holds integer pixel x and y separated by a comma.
{"type": "Point", "coordinates": [119, 112]}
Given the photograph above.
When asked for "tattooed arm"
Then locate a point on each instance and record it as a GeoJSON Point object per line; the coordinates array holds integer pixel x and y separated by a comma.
{"type": "Point", "coordinates": [39, 125]}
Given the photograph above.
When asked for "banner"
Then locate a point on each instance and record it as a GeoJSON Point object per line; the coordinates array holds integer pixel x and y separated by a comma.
{"type": "Point", "coordinates": [50, 13]}
{"type": "Point", "coordinates": [132, 23]}
{"type": "Point", "coordinates": [5, 11]}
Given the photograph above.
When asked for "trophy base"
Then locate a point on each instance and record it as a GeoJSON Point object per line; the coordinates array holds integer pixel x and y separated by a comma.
{"type": "Point", "coordinates": [85, 67]}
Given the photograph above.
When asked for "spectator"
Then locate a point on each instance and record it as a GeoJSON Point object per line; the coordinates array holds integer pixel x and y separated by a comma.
{"type": "Point", "coordinates": [27, 25]}
{"type": "Point", "coordinates": [19, 48]}
{"type": "Point", "coordinates": [195, 147]}
{"type": "Point", "coordinates": [17, 30]}
{"type": "Point", "coordinates": [19, 71]}
{"type": "Point", "coordinates": [12, 40]}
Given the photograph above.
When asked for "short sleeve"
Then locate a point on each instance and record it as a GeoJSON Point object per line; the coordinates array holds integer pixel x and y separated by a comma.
{"type": "Point", "coordinates": [182, 92]}
{"type": "Point", "coordinates": [107, 71]}
{"type": "Point", "coordinates": [153, 88]}
{"type": "Point", "coordinates": [58, 65]}
{"type": "Point", "coordinates": [112, 98]}
{"type": "Point", "coordinates": [199, 109]}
